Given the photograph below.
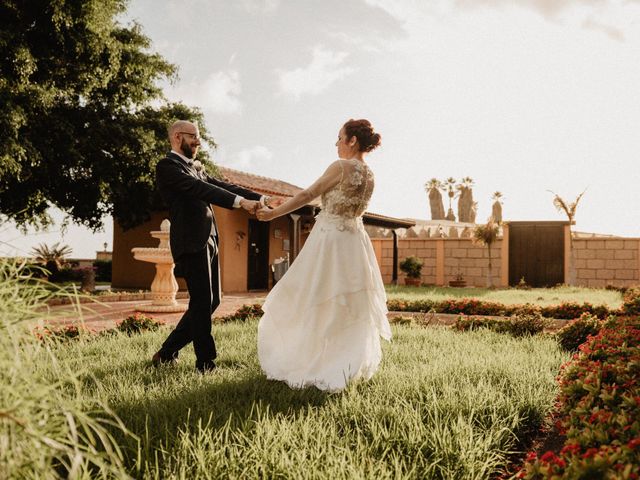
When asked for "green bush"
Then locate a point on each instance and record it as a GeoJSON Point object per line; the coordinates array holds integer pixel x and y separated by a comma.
{"type": "Point", "coordinates": [517, 325]}
{"type": "Point", "coordinates": [244, 313]}
{"type": "Point", "coordinates": [411, 266]}
{"type": "Point", "coordinates": [137, 323]}
{"type": "Point", "coordinates": [103, 270]}
{"type": "Point", "coordinates": [571, 336]}
{"type": "Point", "coordinates": [527, 324]}
{"type": "Point", "coordinates": [598, 410]}
{"type": "Point", "coordinates": [631, 301]}
{"type": "Point", "coordinates": [473, 306]}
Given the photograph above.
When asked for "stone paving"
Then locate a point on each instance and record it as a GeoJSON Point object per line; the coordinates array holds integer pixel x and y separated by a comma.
{"type": "Point", "coordinates": [101, 316]}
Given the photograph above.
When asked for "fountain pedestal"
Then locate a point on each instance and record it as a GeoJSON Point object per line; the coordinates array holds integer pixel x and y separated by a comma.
{"type": "Point", "coordinates": [164, 285]}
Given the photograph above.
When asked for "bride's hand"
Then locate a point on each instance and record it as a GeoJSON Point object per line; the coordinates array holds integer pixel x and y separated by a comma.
{"type": "Point", "coordinates": [264, 214]}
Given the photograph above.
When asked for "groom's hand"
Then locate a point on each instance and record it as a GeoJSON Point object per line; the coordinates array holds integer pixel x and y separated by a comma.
{"type": "Point", "coordinates": [249, 205]}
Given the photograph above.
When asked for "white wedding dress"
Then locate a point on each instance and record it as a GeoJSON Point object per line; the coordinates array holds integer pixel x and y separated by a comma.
{"type": "Point", "coordinates": [323, 320]}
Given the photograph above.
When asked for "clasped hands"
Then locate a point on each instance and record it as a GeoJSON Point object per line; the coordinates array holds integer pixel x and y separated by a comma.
{"type": "Point", "coordinates": [264, 214]}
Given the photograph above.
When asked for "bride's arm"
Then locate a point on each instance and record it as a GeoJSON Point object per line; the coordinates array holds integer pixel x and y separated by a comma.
{"type": "Point", "coordinates": [329, 179]}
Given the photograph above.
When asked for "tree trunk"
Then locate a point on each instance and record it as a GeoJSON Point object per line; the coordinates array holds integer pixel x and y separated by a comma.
{"type": "Point", "coordinates": [496, 211]}
{"type": "Point", "coordinates": [465, 204]}
{"type": "Point", "coordinates": [436, 205]}
{"type": "Point", "coordinates": [489, 273]}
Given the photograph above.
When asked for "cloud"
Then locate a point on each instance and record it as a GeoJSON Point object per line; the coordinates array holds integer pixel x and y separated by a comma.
{"type": "Point", "coordinates": [612, 32]}
{"type": "Point", "coordinates": [218, 93]}
{"type": "Point", "coordinates": [546, 8]}
{"type": "Point", "coordinates": [248, 158]}
{"type": "Point", "coordinates": [260, 6]}
{"type": "Point", "coordinates": [326, 68]}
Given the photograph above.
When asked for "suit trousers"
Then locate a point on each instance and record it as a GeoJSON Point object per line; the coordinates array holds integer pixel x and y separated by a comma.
{"type": "Point", "coordinates": [202, 274]}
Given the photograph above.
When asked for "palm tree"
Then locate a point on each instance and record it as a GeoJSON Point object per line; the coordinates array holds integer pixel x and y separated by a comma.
{"type": "Point", "coordinates": [569, 210]}
{"type": "Point", "coordinates": [448, 186]}
{"type": "Point", "coordinates": [465, 200]}
{"type": "Point", "coordinates": [433, 188]}
{"type": "Point", "coordinates": [51, 257]}
{"type": "Point", "coordinates": [487, 235]}
{"type": "Point", "coordinates": [496, 208]}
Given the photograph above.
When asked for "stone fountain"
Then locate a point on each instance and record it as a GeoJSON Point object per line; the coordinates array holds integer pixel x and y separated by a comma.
{"type": "Point", "coordinates": [164, 286]}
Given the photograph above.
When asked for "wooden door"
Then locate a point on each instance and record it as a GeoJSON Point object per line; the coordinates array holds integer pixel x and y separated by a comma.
{"type": "Point", "coordinates": [536, 253]}
{"type": "Point", "coordinates": [258, 264]}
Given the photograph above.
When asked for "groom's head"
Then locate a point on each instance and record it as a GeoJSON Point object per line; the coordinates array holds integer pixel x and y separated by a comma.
{"type": "Point", "coordinates": [185, 138]}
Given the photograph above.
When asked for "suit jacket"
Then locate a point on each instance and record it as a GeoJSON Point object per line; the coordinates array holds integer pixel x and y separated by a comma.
{"type": "Point", "coordinates": [189, 193]}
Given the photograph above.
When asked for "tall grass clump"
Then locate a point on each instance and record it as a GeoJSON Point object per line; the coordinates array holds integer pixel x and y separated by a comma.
{"type": "Point", "coordinates": [48, 429]}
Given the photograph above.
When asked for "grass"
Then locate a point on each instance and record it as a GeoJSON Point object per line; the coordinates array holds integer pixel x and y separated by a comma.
{"type": "Point", "coordinates": [510, 296]}
{"type": "Point", "coordinates": [443, 405]}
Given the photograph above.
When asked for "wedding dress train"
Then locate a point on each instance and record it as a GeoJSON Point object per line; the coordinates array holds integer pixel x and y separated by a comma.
{"type": "Point", "coordinates": [323, 320]}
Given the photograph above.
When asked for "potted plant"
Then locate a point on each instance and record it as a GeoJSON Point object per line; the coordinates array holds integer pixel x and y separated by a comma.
{"type": "Point", "coordinates": [458, 282]}
{"type": "Point", "coordinates": [412, 268]}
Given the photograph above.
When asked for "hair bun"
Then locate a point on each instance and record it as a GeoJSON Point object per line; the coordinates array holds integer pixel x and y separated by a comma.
{"type": "Point", "coordinates": [363, 131]}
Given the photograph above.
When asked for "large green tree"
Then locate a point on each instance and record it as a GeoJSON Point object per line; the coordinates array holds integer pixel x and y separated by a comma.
{"type": "Point", "coordinates": [83, 118]}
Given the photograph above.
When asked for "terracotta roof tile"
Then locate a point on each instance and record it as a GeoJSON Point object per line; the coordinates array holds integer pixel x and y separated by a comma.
{"type": "Point", "coordinates": [272, 186]}
{"type": "Point", "coordinates": [257, 183]}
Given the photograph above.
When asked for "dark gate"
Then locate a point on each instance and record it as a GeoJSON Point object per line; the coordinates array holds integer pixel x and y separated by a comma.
{"type": "Point", "coordinates": [536, 253]}
{"type": "Point", "coordinates": [258, 268]}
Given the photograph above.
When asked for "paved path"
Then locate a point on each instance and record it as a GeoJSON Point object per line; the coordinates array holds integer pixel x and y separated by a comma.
{"type": "Point", "coordinates": [102, 316]}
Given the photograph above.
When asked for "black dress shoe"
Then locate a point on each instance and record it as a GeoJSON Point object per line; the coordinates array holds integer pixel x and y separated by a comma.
{"type": "Point", "coordinates": [206, 366]}
{"type": "Point", "coordinates": [158, 360]}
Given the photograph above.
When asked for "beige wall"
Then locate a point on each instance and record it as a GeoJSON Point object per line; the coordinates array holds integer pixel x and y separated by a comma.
{"type": "Point", "coordinates": [607, 261]}
{"type": "Point", "coordinates": [131, 273]}
{"type": "Point", "coordinates": [442, 259]}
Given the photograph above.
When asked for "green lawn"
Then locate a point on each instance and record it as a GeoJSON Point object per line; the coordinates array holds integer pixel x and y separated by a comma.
{"type": "Point", "coordinates": [537, 296]}
{"type": "Point", "coordinates": [443, 405]}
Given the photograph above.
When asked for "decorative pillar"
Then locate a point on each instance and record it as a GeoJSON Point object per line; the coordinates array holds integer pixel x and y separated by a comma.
{"type": "Point", "coordinates": [567, 256]}
{"type": "Point", "coordinates": [504, 256]}
{"type": "Point", "coordinates": [394, 273]}
{"type": "Point", "coordinates": [440, 262]}
{"type": "Point", "coordinates": [295, 244]}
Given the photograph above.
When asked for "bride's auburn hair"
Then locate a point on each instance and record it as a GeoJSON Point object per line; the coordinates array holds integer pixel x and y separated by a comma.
{"type": "Point", "coordinates": [363, 131]}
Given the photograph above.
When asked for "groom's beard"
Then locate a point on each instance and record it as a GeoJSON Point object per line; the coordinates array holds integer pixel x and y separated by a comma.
{"type": "Point", "coordinates": [187, 151]}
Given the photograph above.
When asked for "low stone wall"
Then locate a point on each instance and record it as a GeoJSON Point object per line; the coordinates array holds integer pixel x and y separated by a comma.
{"type": "Point", "coordinates": [607, 261]}
{"type": "Point", "coordinates": [443, 259]}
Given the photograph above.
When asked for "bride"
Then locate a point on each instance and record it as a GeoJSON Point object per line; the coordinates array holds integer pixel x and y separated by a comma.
{"type": "Point", "coordinates": [323, 320]}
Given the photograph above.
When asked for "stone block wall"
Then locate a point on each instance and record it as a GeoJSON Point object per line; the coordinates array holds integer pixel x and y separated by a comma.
{"type": "Point", "coordinates": [471, 261]}
{"type": "Point", "coordinates": [442, 260]}
{"type": "Point", "coordinates": [607, 261]}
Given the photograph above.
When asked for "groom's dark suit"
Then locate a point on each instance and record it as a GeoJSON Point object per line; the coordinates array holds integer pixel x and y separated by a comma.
{"type": "Point", "coordinates": [189, 194]}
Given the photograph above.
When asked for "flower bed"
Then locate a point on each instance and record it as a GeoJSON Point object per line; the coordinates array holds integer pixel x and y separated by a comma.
{"type": "Point", "coordinates": [598, 409]}
{"type": "Point", "coordinates": [472, 306]}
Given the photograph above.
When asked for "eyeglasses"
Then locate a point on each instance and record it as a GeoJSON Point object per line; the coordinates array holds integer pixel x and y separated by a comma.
{"type": "Point", "coordinates": [197, 137]}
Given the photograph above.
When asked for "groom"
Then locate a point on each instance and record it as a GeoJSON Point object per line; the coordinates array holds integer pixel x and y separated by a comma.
{"type": "Point", "coordinates": [189, 192]}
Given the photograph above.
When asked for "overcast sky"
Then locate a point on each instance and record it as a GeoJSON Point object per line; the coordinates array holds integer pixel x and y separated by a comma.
{"type": "Point", "coordinates": [524, 99]}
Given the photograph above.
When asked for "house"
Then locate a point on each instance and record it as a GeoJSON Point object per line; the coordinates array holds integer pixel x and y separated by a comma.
{"type": "Point", "coordinates": [248, 247]}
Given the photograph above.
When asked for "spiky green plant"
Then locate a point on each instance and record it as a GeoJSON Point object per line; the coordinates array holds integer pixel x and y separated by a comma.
{"type": "Point", "coordinates": [569, 210]}
{"type": "Point", "coordinates": [486, 235]}
{"type": "Point", "coordinates": [47, 429]}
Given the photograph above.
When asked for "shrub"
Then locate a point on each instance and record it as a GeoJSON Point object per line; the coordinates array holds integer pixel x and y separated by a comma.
{"type": "Point", "coordinates": [517, 325]}
{"type": "Point", "coordinates": [411, 266]}
{"type": "Point", "coordinates": [631, 301]}
{"type": "Point", "coordinates": [464, 324]}
{"type": "Point", "coordinates": [527, 324]}
{"type": "Point", "coordinates": [103, 270]}
{"type": "Point", "coordinates": [61, 334]}
{"type": "Point", "coordinates": [139, 322]}
{"type": "Point", "coordinates": [473, 306]}
{"type": "Point", "coordinates": [242, 314]}
{"type": "Point", "coordinates": [571, 336]}
{"type": "Point", "coordinates": [598, 409]}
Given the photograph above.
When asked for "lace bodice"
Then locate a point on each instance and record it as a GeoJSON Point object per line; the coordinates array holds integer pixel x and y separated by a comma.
{"type": "Point", "coordinates": [350, 197]}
